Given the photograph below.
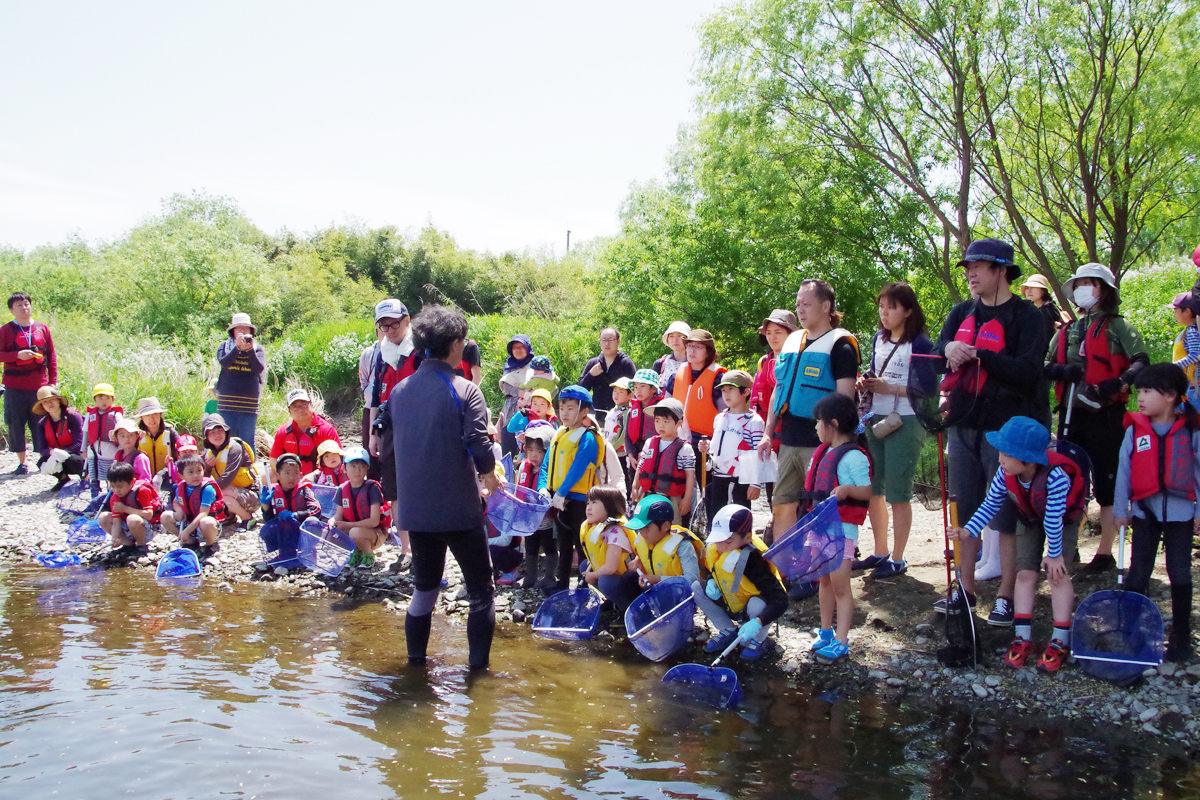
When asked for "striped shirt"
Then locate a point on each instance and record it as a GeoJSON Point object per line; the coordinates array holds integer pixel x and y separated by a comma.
{"type": "Point", "coordinates": [1058, 485]}
{"type": "Point", "coordinates": [1191, 343]}
{"type": "Point", "coordinates": [734, 446]}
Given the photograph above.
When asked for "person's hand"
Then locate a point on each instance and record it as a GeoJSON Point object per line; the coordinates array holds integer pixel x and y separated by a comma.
{"type": "Point", "coordinates": [559, 502]}
{"type": "Point", "coordinates": [286, 515]}
{"type": "Point", "coordinates": [753, 493]}
{"type": "Point", "coordinates": [637, 493]}
{"type": "Point", "coordinates": [962, 534]}
{"type": "Point", "coordinates": [749, 630]}
{"type": "Point", "coordinates": [342, 525]}
{"type": "Point", "coordinates": [704, 445]}
{"type": "Point", "coordinates": [210, 460]}
{"type": "Point", "coordinates": [26, 355]}
{"type": "Point", "coordinates": [959, 354]}
{"type": "Point", "coordinates": [764, 448]}
{"type": "Point", "coordinates": [544, 492]}
{"type": "Point", "coordinates": [712, 589]}
{"type": "Point", "coordinates": [597, 370]}
{"type": "Point", "coordinates": [1109, 389]}
{"type": "Point", "coordinates": [685, 506]}
{"type": "Point", "coordinates": [245, 342]}
{"type": "Point", "coordinates": [1056, 569]}
{"type": "Point", "coordinates": [876, 385]}
{"type": "Point", "coordinates": [1123, 522]}
{"type": "Point", "coordinates": [1073, 373]}
{"type": "Point", "coordinates": [842, 491]}
{"type": "Point", "coordinates": [521, 438]}
{"type": "Point", "coordinates": [491, 483]}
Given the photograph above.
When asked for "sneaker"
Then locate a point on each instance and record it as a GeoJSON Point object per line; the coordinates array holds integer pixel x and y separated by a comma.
{"type": "Point", "coordinates": [834, 650]}
{"type": "Point", "coordinates": [824, 637]}
{"type": "Point", "coordinates": [1099, 563]}
{"type": "Point", "coordinates": [755, 650]}
{"type": "Point", "coordinates": [803, 591]}
{"type": "Point", "coordinates": [718, 643]}
{"type": "Point", "coordinates": [22, 469]}
{"type": "Point", "coordinates": [356, 558]}
{"type": "Point", "coordinates": [1002, 613]}
{"type": "Point", "coordinates": [402, 563]}
{"type": "Point", "coordinates": [1018, 651]}
{"type": "Point", "coordinates": [940, 605]}
{"type": "Point", "coordinates": [1053, 657]}
{"type": "Point", "coordinates": [870, 562]}
{"type": "Point", "coordinates": [367, 560]}
{"type": "Point", "coordinates": [890, 569]}
{"type": "Point", "coordinates": [141, 550]}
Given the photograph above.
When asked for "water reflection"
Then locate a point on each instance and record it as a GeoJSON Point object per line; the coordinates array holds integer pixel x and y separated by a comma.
{"type": "Point", "coordinates": [110, 682]}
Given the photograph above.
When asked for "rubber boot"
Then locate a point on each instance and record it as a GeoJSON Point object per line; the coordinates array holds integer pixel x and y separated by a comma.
{"type": "Point", "coordinates": [416, 635]}
{"type": "Point", "coordinates": [988, 566]}
{"type": "Point", "coordinates": [549, 581]}
{"type": "Point", "coordinates": [481, 626]}
{"type": "Point", "coordinates": [531, 572]}
{"type": "Point", "coordinates": [1179, 645]}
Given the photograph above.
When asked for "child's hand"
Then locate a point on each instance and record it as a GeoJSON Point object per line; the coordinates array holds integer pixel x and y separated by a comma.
{"type": "Point", "coordinates": [637, 493]}
{"type": "Point", "coordinates": [704, 445]}
{"type": "Point", "coordinates": [712, 589]}
{"type": "Point", "coordinates": [753, 493]}
{"type": "Point", "coordinates": [1056, 569]}
{"type": "Point", "coordinates": [1123, 522]}
{"type": "Point", "coordinates": [842, 492]}
{"type": "Point", "coordinates": [962, 534]}
{"type": "Point", "coordinates": [750, 628]}
{"type": "Point", "coordinates": [685, 506]}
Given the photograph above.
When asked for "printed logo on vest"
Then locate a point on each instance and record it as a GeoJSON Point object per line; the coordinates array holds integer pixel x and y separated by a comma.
{"type": "Point", "coordinates": [987, 335]}
{"type": "Point", "coordinates": [1142, 444]}
{"type": "Point", "coordinates": [345, 502]}
{"type": "Point", "coordinates": [812, 371]}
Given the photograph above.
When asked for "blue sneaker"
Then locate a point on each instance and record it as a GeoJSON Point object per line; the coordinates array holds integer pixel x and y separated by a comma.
{"type": "Point", "coordinates": [755, 650]}
{"type": "Point", "coordinates": [803, 591]}
{"type": "Point", "coordinates": [834, 650]}
{"type": "Point", "coordinates": [718, 643]}
{"type": "Point", "coordinates": [22, 469]}
{"type": "Point", "coordinates": [890, 569]}
{"type": "Point", "coordinates": [824, 638]}
{"type": "Point", "coordinates": [870, 562]}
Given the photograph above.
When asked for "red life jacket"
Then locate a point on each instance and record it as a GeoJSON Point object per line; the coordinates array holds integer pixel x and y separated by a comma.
{"type": "Point", "coordinates": [282, 500]}
{"type": "Point", "coordinates": [389, 377]}
{"type": "Point", "coordinates": [101, 423]}
{"type": "Point", "coordinates": [663, 475]}
{"type": "Point", "coordinates": [641, 425]}
{"type": "Point", "coordinates": [57, 434]}
{"type": "Point", "coordinates": [1161, 463]}
{"type": "Point", "coordinates": [356, 506]}
{"type": "Point", "coordinates": [1031, 502]}
{"type": "Point", "coordinates": [33, 337]}
{"type": "Point", "coordinates": [300, 442]}
{"type": "Point", "coordinates": [153, 501]}
{"type": "Point", "coordinates": [821, 479]}
{"type": "Point", "coordinates": [336, 477]}
{"type": "Point", "coordinates": [190, 497]}
{"type": "Point", "coordinates": [972, 377]}
{"type": "Point", "coordinates": [1100, 363]}
{"type": "Point", "coordinates": [526, 475]}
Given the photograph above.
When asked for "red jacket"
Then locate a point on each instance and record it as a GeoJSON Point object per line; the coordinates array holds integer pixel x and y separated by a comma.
{"type": "Point", "coordinates": [31, 375]}
{"type": "Point", "coordinates": [303, 442]}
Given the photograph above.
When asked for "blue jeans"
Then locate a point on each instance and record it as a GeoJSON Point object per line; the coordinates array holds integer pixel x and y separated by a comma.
{"type": "Point", "coordinates": [242, 424]}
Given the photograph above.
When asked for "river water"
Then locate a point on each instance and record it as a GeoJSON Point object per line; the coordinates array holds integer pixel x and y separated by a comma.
{"type": "Point", "coordinates": [112, 686]}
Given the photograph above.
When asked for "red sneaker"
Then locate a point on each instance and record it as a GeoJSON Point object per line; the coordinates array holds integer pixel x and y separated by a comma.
{"type": "Point", "coordinates": [1018, 651]}
{"type": "Point", "coordinates": [1053, 657]}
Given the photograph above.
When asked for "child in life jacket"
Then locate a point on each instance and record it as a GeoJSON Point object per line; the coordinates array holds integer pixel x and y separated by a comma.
{"type": "Point", "coordinates": [1158, 486]}
{"type": "Point", "coordinates": [532, 405]}
{"type": "Point", "coordinates": [1186, 352]}
{"type": "Point", "coordinates": [734, 446]}
{"type": "Point", "coordinates": [744, 585]}
{"type": "Point", "coordinates": [62, 431]}
{"type": "Point", "coordinates": [330, 469]}
{"type": "Point", "coordinates": [607, 544]}
{"type": "Point", "coordinates": [640, 425]}
{"type": "Point", "coordinates": [668, 462]}
{"type": "Point", "coordinates": [132, 505]}
{"type": "Point", "coordinates": [292, 497]}
{"type": "Point", "coordinates": [126, 435]}
{"type": "Point", "coordinates": [1047, 490]}
{"type": "Point", "coordinates": [362, 512]}
{"type": "Point", "coordinates": [663, 552]}
{"type": "Point", "coordinates": [98, 447]}
{"type": "Point", "coordinates": [840, 468]}
{"type": "Point", "coordinates": [160, 441]}
{"type": "Point", "coordinates": [537, 441]}
{"type": "Point", "coordinates": [197, 509]}
{"type": "Point", "coordinates": [617, 420]}
{"type": "Point", "coordinates": [169, 478]}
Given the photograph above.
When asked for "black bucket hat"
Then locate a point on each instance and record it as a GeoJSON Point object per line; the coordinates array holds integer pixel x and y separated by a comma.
{"type": "Point", "coordinates": [995, 251]}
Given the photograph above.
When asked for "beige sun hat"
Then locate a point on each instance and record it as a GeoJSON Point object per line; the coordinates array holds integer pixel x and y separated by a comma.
{"type": "Point", "coordinates": [126, 424]}
{"type": "Point", "coordinates": [148, 405]}
{"type": "Point", "coordinates": [43, 394]}
{"type": "Point", "coordinates": [241, 318]}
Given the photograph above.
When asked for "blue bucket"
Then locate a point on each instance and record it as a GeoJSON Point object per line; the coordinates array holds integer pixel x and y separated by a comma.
{"type": "Point", "coordinates": [58, 559]}
{"type": "Point", "coordinates": [280, 542]}
{"type": "Point", "coordinates": [86, 531]}
{"type": "Point", "coordinates": [517, 511]}
{"type": "Point", "coordinates": [327, 497]}
{"type": "Point", "coordinates": [324, 549]}
{"type": "Point", "coordinates": [813, 547]}
{"type": "Point", "coordinates": [179, 563]}
{"type": "Point", "coordinates": [659, 621]}
{"type": "Point", "coordinates": [569, 615]}
{"type": "Point", "coordinates": [712, 686]}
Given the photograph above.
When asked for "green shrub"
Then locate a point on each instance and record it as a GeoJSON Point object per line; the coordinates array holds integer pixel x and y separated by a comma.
{"type": "Point", "coordinates": [1145, 293]}
{"type": "Point", "coordinates": [324, 356]}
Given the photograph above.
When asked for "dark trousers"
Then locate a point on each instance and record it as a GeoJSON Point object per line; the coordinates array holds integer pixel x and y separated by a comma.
{"type": "Point", "coordinates": [721, 492]}
{"type": "Point", "coordinates": [566, 530]}
{"type": "Point", "coordinates": [18, 415]}
{"type": "Point", "coordinates": [470, 549]}
{"type": "Point", "coordinates": [1176, 538]}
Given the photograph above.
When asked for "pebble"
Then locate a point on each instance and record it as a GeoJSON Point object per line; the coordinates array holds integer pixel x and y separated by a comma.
{"type": "Point", "coordinates": [1148, 714]}
{"type": "Point", "coordinates": [979, 690]}
{"type": "Point", "coordinates": [1167, 668]}
{"type": "Point", "coordinates": [992, 680]}
{"type": "Point", "coordinates": [877, 674]}
{"type": "Point", "coordinates": [280, 571]}
{"type": "Point", "coordinates": [897, 682]}
{"type": "Point", "coordinates": [1194, 670]}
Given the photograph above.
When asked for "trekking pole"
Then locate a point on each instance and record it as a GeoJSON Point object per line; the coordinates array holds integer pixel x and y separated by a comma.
{"type": "Point", "coordinates": [1066, 419]}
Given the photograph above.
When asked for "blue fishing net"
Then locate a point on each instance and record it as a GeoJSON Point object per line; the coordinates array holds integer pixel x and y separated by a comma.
{"type": "Point", "coordinates": [324, 549]}
{"type": "Point", "coordinates": [659, 621]}
{"type": "Point", "coordinates": [327, 497]}
{"type": "Point", "coordinates": [813, 547]}
{"type": "Point", "coordinates": [517, 510]}
{"type": "Point", "coordinates": [280, 543]}
{"type": "Point", "coordinates": [568, 615]}
{"type": "Point", "coordinates": [179, 563]}
{"type": "Point", "coordinates": [85, 531]}
{"type": "Point", "coordinates": [58, 559]}
{"type": "Point", "coordinates": [711, 686]}
{"type": "Point", "coordinates": [1116, 635]}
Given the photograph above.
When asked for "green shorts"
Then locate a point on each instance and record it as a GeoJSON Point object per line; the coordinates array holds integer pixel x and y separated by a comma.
{"type": "Point", "coordinates": [793, 464]}
{"type": "Point", "coordinates": [895, 458]}
{"type": "Point", "coordinates": [1031, 544]}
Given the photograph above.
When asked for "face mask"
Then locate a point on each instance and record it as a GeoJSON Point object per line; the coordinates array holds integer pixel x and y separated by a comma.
{"type": "Point", "coordinates": [1085, 296]}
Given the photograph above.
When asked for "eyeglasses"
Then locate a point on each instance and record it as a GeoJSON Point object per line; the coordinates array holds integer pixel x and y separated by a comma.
{"type": "Point", "coordinates": [389, 326]}
{"type": "Point", "coordinates": [608, 340]}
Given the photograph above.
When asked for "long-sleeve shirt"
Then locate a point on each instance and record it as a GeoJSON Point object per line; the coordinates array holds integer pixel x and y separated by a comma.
{"type": "Point", "coordinates": [585, 454]}
{"type": "Point", "coordinates": [243, 372]}
{"type": "Point", "coordinates": [1058, 485]}
{"type": "Point", "coordinates": [601, 385]}
{"type": "Point", "coordinates": [440, 440]}
{"type": "Point", "coordinates": [771, 591]}
{"type": "Point", "coordinates": [1166, 507]}
{"type": "Point", "coordinates": [734, 446]}
{"type": "Point", "coordinates": [1191, 343]}
{"type": "Point", "coordinates": [71, 424]}
{"type": "Point", "coordinates": [27, 375]}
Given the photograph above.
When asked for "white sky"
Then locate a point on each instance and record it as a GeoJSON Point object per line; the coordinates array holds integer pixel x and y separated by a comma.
{"type": "Point", "coordinates": [504, 123]}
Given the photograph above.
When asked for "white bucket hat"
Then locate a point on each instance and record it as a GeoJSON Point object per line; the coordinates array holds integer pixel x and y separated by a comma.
{"type": "Point", "coordinates": [1091, 270]}
{"type": "Point", "coordinates": [676, 327]}
{"type": "Point", "coordinates": [241, 318]}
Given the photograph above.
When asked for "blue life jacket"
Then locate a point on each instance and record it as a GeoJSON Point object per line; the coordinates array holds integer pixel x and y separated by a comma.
{"type": "Point", "coordinates": [804, 374]}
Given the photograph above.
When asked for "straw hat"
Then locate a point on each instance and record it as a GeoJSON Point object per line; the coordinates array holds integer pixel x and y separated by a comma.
{"type": "Point", "coordinates": [44, 394]}
{"type": "Point", "coordinates": [126, 424]}
{"type": "Point", "coordinates": [148, 405]}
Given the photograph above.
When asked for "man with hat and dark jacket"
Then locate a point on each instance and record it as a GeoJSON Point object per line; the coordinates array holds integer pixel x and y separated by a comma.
{"type": "Point", "coordinates": [994, 346]}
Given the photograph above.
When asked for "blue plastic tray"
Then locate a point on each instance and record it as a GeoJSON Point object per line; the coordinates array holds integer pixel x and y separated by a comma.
{"type": "Point", "coordinates": [659, 621]}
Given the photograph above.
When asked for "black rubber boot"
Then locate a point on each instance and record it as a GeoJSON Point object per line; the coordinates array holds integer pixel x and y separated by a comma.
{"type": "Point", "coordinates": [1179, 645]}
{"type": "Point", "coordinates": [481, 626]}
{"type": "Point", "coordinates": [416, 634]}
{"type": "Point", "coordinates": [549, 579]}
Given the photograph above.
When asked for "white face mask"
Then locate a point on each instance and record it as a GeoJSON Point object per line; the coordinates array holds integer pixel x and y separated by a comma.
{"type": "Point", "coordinates": [1085, 296]}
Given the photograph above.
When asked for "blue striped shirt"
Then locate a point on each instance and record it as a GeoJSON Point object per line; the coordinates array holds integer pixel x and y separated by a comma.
{"type": "Point", "coordinates": [1191, 343]}
{"type": "Point", "coordinates": [1058, 485]}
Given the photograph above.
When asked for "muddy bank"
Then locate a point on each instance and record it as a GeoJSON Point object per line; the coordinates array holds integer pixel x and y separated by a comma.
{"type": "Point", "coordinates": [892, 645]}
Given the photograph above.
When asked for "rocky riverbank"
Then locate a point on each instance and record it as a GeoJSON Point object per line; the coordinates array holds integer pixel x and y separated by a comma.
{"type": "Point", "coordinates": [893, 642]}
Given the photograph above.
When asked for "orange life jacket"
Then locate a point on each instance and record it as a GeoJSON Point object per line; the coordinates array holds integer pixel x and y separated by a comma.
{"type": "Point", "coordinates": [699, 404]}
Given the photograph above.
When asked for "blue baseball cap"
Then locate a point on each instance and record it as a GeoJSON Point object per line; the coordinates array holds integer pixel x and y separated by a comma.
{"type": "Point", "coordinates": [996, 251]}
{"type": "Point", "coordinates": [390, 309]}
{"type": "Point", "coordinates": [356, 454]}
{"type": "Point", "coordinates": [1022, 438]}
{"type": "Point", "coordinates": [576, 392]}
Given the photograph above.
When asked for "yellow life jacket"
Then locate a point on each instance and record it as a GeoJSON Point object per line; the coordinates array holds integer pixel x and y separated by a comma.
{"type": "Point", "coordinates": [596, 549]}
{"type": "Point", "coordinates": [246, 475]}
{"type": "Point", "coordinates": [157, 448]}
{"type": "Point", "coordinates": [562, 455]}
{"type": "Point", "coordinates": [663, 558]}
{"type": "Point", "coordinates": [1180, 351]}
{"type": "Point", "coordinates": [723, 567]}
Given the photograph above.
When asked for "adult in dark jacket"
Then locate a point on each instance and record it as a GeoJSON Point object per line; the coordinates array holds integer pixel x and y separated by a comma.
{"type": "Point", "coordinates": [994, 345]}
{"type": "Point", "coordinates": [62, 429]}
{"type": "Point", "coordinates": [441, 442]}
{"type": "Point", "coordinates": [606, 369]}
{"type": "Point", "coordinates": [243, 365]}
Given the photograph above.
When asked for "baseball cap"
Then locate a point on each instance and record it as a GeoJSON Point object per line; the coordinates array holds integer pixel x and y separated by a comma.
{"type": "Point", "coordinates": [391, 309]}
{"type": "Point", "coordinates": [730, 520]}
{"type": "Point", "coordinates": [297, 394]}
{"type": "Point", "coordinates": [652, 508]}
{"type": "Point", "coordinates": [1185, 300]}
{"type": "Point", "coordinates": [542, 393]}
{"type": "Point", "coordinates": [186, 443]}
{"type": "Point", "coordinates": [357, 454]}
{"type": "Point", "coordinates": [668, 404]}
{"type": "Point", "coordinates": [287, 458]}
{"type": "Point", "coordinates": [622, 383]}
{"type": "Point", "coordinates": [736, 377]}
